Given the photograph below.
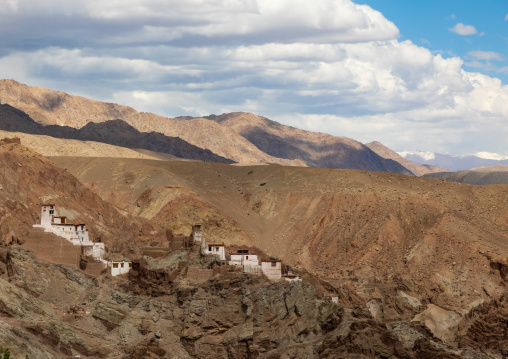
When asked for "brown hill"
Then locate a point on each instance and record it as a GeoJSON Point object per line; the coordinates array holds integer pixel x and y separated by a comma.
{"type": "Point", "coordinates": [114, 132]}
{"type": "Point", "coordinates": [51, 146]}
{"type": "Point", "coordinates": [478, 176]}
{"type": "Point", "coordinates": [445, 243]}
{"type": "Point", "coordinates": [418, 170]}
{"type": "Point", "coordinates": [240, 137]}
{"type": "Point", "coordinates": [313, 148]}
{"type": "Point", "coordinates": [49, 107]}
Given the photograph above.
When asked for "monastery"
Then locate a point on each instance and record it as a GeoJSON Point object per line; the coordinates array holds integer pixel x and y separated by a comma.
{"type": "Point", "coordinates": [77, 234]}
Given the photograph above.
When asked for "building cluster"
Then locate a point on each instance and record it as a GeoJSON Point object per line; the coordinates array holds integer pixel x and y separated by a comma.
{"type": "Point", "coordinates": [249, 262]}
{"type": "Point", "coordinates": [77, 234]}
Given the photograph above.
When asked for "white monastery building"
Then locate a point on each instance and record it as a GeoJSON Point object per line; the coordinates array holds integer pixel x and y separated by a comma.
{"type": "Point", "coordinates": [120, 267]}
{"type": "Point", "coordinates": [77, 234]}
{"type": "Point", "coordinates": [216, 249]}
{"type": "Point", "coordinates": [243, 258]}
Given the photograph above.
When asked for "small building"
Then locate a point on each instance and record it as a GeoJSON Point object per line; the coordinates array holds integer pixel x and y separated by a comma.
{"type": "Point", "coordinates": [120, 267]}
{"type": "Point", "coordinates": [272, 269]}
{"type": "Point", "coordinates": [47, 214]}
{"type": "Point", "coordinates": [215, 249]}
{"type": "Point", "coordinates": [75, 233]}
{"type": "Point", "coordinates": [242, 258]}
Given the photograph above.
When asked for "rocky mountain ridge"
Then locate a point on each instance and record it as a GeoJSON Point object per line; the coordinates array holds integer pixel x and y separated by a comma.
{"type": "Point", "coordinates": [239, 137]}
{"type": "Point", "coordinates": [113, 132]}
{"type": "Point", "coordinates": [478, 176]}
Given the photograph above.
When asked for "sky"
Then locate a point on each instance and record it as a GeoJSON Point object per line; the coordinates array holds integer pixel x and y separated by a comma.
{"type": "Point", "coordinates": [415, 75]}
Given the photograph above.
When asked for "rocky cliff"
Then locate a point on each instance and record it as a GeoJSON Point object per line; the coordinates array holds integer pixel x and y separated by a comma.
{"type": "Point", "coordinates": [53, 311]}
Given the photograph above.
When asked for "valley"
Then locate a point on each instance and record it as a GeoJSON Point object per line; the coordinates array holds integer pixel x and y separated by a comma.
{"type": "Point", "coordinates": [417, 266]}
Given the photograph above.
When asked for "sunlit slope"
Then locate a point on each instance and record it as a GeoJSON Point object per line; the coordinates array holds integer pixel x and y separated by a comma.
{"type": "Point", "coordinates": [442, 239]}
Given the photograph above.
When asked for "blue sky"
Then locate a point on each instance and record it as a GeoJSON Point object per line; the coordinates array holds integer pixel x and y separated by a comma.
{"type": "Point", "coordinates": [415, 75]}
{"type": "Point", "coordinates": [428, 23]}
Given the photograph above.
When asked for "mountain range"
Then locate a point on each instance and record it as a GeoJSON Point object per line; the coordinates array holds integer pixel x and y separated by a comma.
{"type": "Point", "coordinates": [452, 162]}
{"type": "Point", "coordinates": [227, 138]}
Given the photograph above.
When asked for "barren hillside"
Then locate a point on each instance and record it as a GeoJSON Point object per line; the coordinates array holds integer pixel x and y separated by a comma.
{"type": "Point", "coordinates": [51, 146]}
{"type": "Point", "coordinates": [49, 107]}
{"type": "Point", "coordinates": [446, 243]}
{"type": "Point", "coordinates": [313, 148]}
{"type": "Point", "coordinates": [479, 176]}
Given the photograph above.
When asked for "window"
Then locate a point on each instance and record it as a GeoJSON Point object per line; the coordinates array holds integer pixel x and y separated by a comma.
{"type": "Point", "coordinates": [130, 265]}
{"type": "Point", "coordinates": [209, 249]}
{"type": "Point", "coordinates": [216, 249]}
{"type": "Point", "coordinates": [121, 265]}
{"type": "Point", "coordinates": [115, 265]}
{"type": "Point", "coordinates": [274, 264]}
{"type": "Point", "coordinates": [51, 211]}
{"type": "Point", "coordinates": [246, 257]}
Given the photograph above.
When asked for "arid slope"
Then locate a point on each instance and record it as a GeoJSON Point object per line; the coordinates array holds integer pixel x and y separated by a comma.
{"type": "Point", "coordinates": [446, 243]}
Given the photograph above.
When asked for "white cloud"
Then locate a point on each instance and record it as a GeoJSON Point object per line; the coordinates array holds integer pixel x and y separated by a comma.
{"type": "Point", "coordinates": [328, 65]}
{"type": "Point", "coordinates": [319, 21]}
{"type": "Point", "coordinates": [506, 17]}
{"type": "Point", "coordinates": [8, 6]}
{"type": "Point", "coordinates": [464, 30]}
{"type": "Point", "coordinates": [486, 55]}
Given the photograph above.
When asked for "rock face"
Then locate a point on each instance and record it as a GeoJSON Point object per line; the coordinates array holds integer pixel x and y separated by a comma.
{"type": "Point", "coordinates": [53, 311]}
{"type": "Point", "coordinates": [238, 137]}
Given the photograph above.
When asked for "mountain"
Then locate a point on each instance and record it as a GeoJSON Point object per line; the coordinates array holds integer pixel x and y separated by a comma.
{"type": "Point", "coordinates": [418, 265]}
{"type": "Point", "coordinates": [313, 148]}
{"type": "Point", "coordinates": [114, 132]}
{"type": "Point", "coordinates": [451, 162]}
{"type": "Point", "coordinates": [238, 137]}
{"type": "Point", "coordinates": [418, 170]}
{"type": "Point", "coordinates": [477, 176]}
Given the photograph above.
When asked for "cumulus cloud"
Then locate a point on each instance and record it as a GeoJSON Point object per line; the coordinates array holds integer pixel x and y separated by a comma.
{"type": "Point", "coordinates": [464, 30]}
{"type": "Point", "coordinates": [328, 65]}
